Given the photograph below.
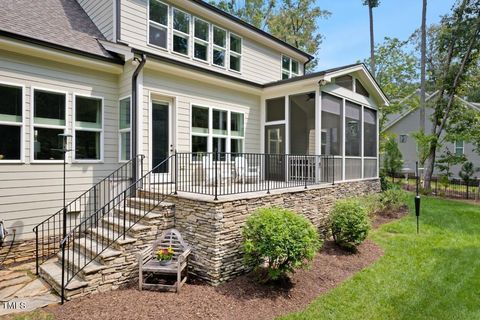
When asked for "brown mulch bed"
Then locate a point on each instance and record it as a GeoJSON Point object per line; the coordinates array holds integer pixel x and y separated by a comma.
{"type": "Point", "coordinates": [241, 298]}
{"type": "Point", "coordinates": [385, 217]}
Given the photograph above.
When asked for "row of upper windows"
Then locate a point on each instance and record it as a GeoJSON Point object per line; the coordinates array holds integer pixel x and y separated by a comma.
{"type": "Point", "coordinates": [49, 123]}
{"type": "Point", "coordinates": [181, 33]}
{"type": "Point", "coordinates": [193, 37]}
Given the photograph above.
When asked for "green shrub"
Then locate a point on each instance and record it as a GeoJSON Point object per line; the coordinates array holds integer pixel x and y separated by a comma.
{"type": "Point", "coordinates": [282, 239]}
{"type": "Point", "coordinates": [349, 223]}
{"type": "Point", "coordinates": [372, 203]}
{"type": "Point", "coordinates": [385, 184]}
{"type": "Point", "coordinates": [393, 199]}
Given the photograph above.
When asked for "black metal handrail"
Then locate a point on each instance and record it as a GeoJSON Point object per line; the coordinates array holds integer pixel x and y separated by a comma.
{"type": "Point", "coordinates": [113, 220]}
{"type": "Point", "coordinates": [50, 231]}
{"type": "Point", "coordinates": [222, 173]}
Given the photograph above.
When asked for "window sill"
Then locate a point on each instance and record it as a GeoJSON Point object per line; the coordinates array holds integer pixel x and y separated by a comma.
{"type": "Point", "coordinates": [47, 161]}
{"type": "Point", "coordinates": [12, 162]}
{"type": "Point", "coordinates": [88, 162]}
{"type": "Point", "coordinates": [157, 47]}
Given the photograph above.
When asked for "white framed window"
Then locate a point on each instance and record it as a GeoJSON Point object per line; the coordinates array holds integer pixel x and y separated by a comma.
{"type": "Point", "coordinates": [459, 147]}
{"type": "Point", "coordinates": [88, 128]}
{"type": "Point", "coordinates": [235, 53]}
{"type": "Point", "coordinates": [290, 67]}
{"type": "Point", "coordinates": [181, 32]}
{"type": "Point", "coordinates": [48, 123]}
{"type": "Point", "coordinates": [158, 24]}
{"type": "Point", "coordinates": [11, 123]}
{"type": "Point", "coordinates": [125, 129]}
{"type": "Point", "coordinates": [219, 48]}
{"type": "Point", "coordinates": [403, 138]}
{"type": "Point", "coordinates": [201, 35]}
{"type": "Point", "coordinates": [217, 130]}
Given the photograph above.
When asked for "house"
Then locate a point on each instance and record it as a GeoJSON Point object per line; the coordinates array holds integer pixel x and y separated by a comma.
{"type": "Point", "coordinates": [403, 125]}
{"type": "Point", "coordinates": [166, 100]}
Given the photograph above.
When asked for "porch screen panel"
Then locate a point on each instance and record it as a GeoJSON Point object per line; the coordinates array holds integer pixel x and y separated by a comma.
{"type": "Point", "coordinates": [275, 109]}
{"type": "Point", "coordinates": [370, 133]}
{"type": "Point", "coordinates": [331, 125]}
{"type": "Point", "coordinates": [370, 168]}
{"type": "Point", "coordinates": [353, 129]}
{"type": "Point", "coordinates": [302, 124]}
{"type": "Point", "coordinates": [353, 169]}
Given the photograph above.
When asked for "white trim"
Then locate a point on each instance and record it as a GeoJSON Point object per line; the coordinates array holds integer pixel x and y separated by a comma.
{"type": "Point", "coordinates": [219, 48]}
{"type": "Point", "coordinates": [343, 138]}
{"type": "Point", "coordinates": [290, 72]}
{"type": "Point", "coordinates": [201, 41]}
{"type": "Point", "coordinates": [21, 124]}
{"type": "Point", "coordinates": [120, 131]}
{"type": "Point", "coordinates": [236, 54]}
{"type": "Point", "coordinates": [362, 137]}
{"type": "Point", "coordinates": [75, 129]}
{"type": "Point", "coordinates": [287, 125]}
{"type": "Point", "coordinates": [33, 125]}
{"type": "Point", "coordinates": [456, 147]}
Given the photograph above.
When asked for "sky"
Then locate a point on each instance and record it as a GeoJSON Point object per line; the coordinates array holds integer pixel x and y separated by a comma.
{"type": "Point", "coordinates": [346, 31]}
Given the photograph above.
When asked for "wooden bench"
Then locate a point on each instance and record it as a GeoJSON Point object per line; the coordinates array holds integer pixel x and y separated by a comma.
{"type": "Point", "coordinates": [147, 263]}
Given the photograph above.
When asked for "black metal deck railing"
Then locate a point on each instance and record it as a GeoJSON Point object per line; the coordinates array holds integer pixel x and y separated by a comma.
{"type": "Point", "coordinates": [87, 240]}
{"type": "Point", "coordinates": [50, 231]}
{"type": "Point", "coordinates": [219, 173]}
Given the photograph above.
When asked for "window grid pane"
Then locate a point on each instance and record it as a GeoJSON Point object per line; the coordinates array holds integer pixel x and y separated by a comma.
{"type": "Point", "coordinates": [181, 21]}
{"type": "Point", "coordinates": [45, 141]}
{"type": "Point", "coordinates": [200, 121]}
{"type": "Point", "coordinates": [49, 108]}
{"type": "Point", "coordinates": [219, 37]}
{"type": "Point", "coordinates": [87, 145]}
{"type": "Point", "coordinates": [201, 30]}
{"type": "Point", "coordinates": [10, 103]}
{"type": "Point", "coordinates": [158, 12]}
{"type": "Point", "coordinates": [10, 143]}
{"type": "Point", "coordinates": [220, 122]}
{"type": "Point", "coordinates": [88, 112]}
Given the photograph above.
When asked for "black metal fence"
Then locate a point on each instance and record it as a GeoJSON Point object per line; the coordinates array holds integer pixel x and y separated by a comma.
{"type": "Point", "coordinates": [220, 173]}
{"type": "Point", "coordinates": [455, 188]}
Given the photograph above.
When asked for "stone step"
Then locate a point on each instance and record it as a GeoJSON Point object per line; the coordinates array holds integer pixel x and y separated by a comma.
{"type": "Point", "coordinates": [105, 235]}
{"type": "Point", "coordinates": [133, 212]}
{"type": "Point", "coordinates": [52, 273]}
{"type": "Point", "coordinates": [117, 224]}
{"type": "Point", "coordinates": [93, 247]}
{"type": "Point", "coordinates": [81, 262]}
{"type": "Point", "coordinates": [150, 204]}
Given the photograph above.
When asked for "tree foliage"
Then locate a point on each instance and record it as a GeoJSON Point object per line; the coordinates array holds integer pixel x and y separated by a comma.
{"type": "Point", "coordinates": [452, 52]}
{"type": "Point", "coordinates": [447, 161]}
{"type": "Point", "coordinates": [392, 157]}
{"type": "Point", "coordinates": [467, 173]}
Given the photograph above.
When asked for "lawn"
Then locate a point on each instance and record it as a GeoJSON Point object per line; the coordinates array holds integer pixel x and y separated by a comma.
{"type": "Point", "coordinates": [433, 275]}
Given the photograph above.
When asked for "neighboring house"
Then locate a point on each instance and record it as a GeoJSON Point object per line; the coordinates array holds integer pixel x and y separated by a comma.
{"type": "Point", "coordinates": [403, 125]}
{"type": "Point", "coordinates": [147, 77]}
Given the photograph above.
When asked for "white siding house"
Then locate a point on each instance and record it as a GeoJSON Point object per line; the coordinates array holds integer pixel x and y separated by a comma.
{"type": "Point", "coordinates": [100, 55]}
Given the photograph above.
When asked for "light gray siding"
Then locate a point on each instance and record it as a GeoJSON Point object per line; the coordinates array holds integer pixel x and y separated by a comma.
{"type": "Point", "coordinates": [102, 14]}
{"type": "Point", "coordinates": [183, 92]}
{"type": "Point", "coordinates": [260, 63]}
{"type": "Point", "coordinates": [410, 124]}
{"type": "Point", "coordinates": [29, 191]}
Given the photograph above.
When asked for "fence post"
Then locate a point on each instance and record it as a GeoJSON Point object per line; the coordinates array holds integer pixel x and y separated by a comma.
{"type": "Point", "coordinates": [216, 175]}
{"type": "Point", "coordinates": [305, 171]}
{"type": "Point", "coordinates": [333, 171]}
{"type": "Point", "coordinates": [176, 172]}
{"type": "Point", "coordinates": [124, 213]}
{"type": "Point", "coordinates": [267, 173]}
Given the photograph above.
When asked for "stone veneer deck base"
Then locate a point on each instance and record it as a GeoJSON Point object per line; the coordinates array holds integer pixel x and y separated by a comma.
{"type": "Point", "coordinates": [214, 228]}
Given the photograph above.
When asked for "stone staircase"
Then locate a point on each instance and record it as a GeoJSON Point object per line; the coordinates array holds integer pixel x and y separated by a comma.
{"type": "Point", "coordinates": [117, 264]}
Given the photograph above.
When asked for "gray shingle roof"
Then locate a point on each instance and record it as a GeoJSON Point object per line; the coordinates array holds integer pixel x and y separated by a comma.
{"type": "Point", "coordinates": [59, 22]}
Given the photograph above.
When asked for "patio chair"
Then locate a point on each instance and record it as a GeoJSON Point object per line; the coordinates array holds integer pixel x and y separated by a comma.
{"type": "Point", "coordinates": [244, 172]}
{"type": "Point", "coordinates": [208, 169]}
{"type": "Point", "coordinates": [178, 266]}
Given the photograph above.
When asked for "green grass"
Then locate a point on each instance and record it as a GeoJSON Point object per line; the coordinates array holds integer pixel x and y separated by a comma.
{"type": "Point", "coordinates": [433, 275]}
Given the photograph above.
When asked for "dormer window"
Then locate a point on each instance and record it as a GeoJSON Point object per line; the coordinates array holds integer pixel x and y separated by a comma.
{"type": "Point", "coordinates": [158, 24]}
{"type": "Point", "coordinates": [289, 67]}
{"type": "Point", "coordinates": [181, 32]}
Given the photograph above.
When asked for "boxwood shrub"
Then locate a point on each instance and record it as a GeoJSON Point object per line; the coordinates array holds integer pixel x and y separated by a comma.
{"type": "Point", "coordinates": [349, 223]}
{"type": "Point", "coordinates": [281, 240]}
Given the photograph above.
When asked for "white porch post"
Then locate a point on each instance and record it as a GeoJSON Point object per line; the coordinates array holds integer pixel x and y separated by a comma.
{"type": "Point", "coordinates": [318, 133]}
{"type": "Point", "coordinates": [343, 139]}
{"type": "Point", "coordinates": [362, 140]}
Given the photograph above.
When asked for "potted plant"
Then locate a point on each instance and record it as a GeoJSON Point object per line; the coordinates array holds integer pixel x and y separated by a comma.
{"type": "Point", "coordinates": [164, 256]}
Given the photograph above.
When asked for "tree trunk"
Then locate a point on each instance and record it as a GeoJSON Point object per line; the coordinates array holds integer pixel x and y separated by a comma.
{"type": "Point", "coordinates": [428, 169]}
{"type": "Point", "coordinates": [423, 67]}
{"type": "Point", "coordinates": [372, 40]}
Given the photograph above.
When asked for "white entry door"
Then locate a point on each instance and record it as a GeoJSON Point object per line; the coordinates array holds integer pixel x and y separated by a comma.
{"type": "Point", "coordinates": [161, 141]}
